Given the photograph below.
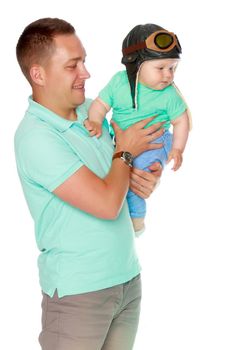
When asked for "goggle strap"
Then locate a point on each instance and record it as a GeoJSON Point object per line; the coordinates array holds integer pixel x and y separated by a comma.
{"type": "Point", "coordinates": [134, 48]}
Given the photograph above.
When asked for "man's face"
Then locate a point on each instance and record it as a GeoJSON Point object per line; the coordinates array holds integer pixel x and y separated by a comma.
{"type": "Point", "coordinates": [65, 73]}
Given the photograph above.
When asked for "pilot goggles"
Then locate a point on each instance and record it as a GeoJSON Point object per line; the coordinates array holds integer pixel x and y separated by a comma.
{"type": "Point", "coordinates": [160, 41]}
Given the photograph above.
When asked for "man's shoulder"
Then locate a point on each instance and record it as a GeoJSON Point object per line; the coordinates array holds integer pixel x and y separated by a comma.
{"type": "Point", "coordinates": [26, 125]}
{"type": "Point", "coordinates": [30, 132]}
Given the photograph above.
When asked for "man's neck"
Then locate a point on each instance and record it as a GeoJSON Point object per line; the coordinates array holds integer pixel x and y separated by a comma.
{"type": "Point", "coordinates": [66, 113]}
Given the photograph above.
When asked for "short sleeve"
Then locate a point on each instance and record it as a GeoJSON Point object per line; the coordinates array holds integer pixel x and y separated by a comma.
{"type": "Point", "coordinates": [107, 93]}
{"type": "Point", "coordinates": [176, 105]}
{"type": "Point", "coordinates": [44, 157]}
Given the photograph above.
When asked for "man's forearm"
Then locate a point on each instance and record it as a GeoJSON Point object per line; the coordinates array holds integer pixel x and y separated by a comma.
{"type": "Point", "coordinates": [100, 197]}
{"type": "Point", "coordinates": [117, 184]}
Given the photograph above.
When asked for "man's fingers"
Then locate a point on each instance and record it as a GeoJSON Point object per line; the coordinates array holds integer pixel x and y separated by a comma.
{"type": "Point", "coordinates": [144, 122]}
{"type": "Point", "coordinates": [156, 167]}
{"type": "Point", "coordinates": [140, 190]}
{"type": "Point", "coordinates": [143, 183]}
{"type": "Point", "coordinates": [116, 127]}
{"type": "Point", "coordinates": [143, 180]}
{"type": "Point", "coordinates": [155, 146]}
{"type": "Point", "coordinates": [155, 135]}
{"type": "Point", "coordinates": [138, 173]}
{"type": "Point", "coordinates": [153, 128]}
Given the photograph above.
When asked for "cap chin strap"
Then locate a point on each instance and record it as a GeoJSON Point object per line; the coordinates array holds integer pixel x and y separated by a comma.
{"type": "Point", "coordinates": [136, 88]}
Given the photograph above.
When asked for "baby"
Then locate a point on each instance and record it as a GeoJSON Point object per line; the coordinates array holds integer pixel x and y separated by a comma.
{"type": "Point", "coordinates": [151, 55]}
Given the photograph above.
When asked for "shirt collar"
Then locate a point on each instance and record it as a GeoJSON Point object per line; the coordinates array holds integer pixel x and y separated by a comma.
{"type": "Point", "coordinates": [48, 116]}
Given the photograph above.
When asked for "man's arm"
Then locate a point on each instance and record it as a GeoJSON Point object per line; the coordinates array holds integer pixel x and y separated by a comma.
{"type": "Point", "coordinates": [103, 198]}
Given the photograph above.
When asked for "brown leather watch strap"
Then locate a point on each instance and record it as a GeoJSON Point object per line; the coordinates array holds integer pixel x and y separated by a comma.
{"type": "Point", "coordinates": [117, 155]}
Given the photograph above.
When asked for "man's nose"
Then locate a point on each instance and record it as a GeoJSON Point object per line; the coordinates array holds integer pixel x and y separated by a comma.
{"type": "Point", "coordinates": [83, 73]}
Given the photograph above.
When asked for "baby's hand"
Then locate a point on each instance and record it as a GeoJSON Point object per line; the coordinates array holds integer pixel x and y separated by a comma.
{"type": "Point", "coordinates": [176, 155]}
{"type": "Point", "coordinates": [94, 128]}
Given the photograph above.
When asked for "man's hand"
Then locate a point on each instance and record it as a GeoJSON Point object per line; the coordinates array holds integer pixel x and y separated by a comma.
{"type": "Point", "coordinates": [144, 183]}
{"type": "Point", "coordinates": [136, 138]}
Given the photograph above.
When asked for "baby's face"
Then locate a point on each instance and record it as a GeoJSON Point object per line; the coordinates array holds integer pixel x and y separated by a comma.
{"type": "Point", "coordinates": [158, 74]}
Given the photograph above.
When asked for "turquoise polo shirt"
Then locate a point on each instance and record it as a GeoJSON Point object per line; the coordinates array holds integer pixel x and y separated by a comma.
{"type": "Point", "coordinates": [166, 103]}
{"type": "Point", "coordinates": [79, 253]}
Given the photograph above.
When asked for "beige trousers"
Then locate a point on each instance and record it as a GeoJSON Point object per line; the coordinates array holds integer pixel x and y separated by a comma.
{"type": "Point", "coordinates": [101, 320]}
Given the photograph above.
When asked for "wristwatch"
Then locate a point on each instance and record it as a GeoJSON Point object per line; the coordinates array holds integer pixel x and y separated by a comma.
{"type": "Point", "coordinates": [125, 156]}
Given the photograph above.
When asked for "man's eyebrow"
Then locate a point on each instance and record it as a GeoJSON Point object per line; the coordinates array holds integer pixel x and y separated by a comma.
{"type": "Point", "coordinates": [76, 59]}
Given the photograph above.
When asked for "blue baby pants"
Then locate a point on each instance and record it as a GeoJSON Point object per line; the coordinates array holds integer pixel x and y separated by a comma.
{"type": "Point", "coordinates": [137, 205]}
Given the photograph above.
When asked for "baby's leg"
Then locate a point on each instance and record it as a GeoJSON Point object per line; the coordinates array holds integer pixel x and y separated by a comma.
{"type": "Point", "coordinates": [137, 209]}
{"type": "Point", "coordinates": [137, 205]}
{"type": "Point", "coordinates": [138, 225]}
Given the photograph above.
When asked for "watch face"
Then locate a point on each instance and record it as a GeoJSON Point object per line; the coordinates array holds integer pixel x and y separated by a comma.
{"type": "Point", "coordinates": [128, 157]}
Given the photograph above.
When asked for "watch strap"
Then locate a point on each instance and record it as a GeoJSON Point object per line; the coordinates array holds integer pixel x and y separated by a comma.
{"type": "Point", "coordinates": [118, 155]}
{"type": "Point", "coordinates": [121, 156]}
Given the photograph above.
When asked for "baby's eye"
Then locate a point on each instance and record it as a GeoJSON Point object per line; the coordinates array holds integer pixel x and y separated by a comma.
{"type": "Point", "coordinates": [173, 68]}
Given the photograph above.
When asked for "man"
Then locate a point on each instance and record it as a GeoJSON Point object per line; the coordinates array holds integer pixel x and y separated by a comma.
{"type": "Point", "coordinates": [89, 271]}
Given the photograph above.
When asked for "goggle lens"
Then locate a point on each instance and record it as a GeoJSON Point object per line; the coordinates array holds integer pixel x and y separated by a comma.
{"type": "Point", "coordinates": [163, 41]}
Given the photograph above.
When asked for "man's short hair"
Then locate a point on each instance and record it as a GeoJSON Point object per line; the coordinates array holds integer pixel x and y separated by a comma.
{"type": "Point", "coordinates": [36, 44]}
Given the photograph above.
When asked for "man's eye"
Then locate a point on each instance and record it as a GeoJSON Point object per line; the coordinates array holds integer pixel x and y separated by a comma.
{"type": "Point", "coordinates": [71, 67]}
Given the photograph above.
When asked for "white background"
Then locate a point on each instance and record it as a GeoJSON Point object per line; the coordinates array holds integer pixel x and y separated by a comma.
{"type": "Point", "coordinates": [186, 252]}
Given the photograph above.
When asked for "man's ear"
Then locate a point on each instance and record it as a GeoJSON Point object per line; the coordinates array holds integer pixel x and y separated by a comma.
{"type": "Point", "coordinates": [37, 75]}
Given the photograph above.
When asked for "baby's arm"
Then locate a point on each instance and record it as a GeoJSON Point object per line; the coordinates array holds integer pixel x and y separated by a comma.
{"type": "Point", "coordinates": [96, 114]}
{"type": "Point", "coordinates": [180, 136]}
